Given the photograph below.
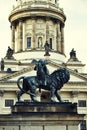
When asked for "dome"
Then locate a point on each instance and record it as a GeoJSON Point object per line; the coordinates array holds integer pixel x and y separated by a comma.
{"type": "Point", "coordinates": [33, 22]}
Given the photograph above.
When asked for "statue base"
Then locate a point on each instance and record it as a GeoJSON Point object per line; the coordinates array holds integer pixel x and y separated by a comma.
{"type": "Point", "coordinates": [28, 107]}
{"type": "Point", "coordinates": [42, 116]}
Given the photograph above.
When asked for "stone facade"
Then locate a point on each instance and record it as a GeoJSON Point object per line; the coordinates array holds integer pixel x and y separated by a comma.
{"type": "Point", "coordinates": [32, 23]}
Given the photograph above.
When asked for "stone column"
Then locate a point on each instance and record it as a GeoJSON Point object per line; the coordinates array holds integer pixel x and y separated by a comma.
{"type": "Point", "coordinates": [58, 38]}
{"type": "Point", "coordinates": [47, 30]}
{"type": "Point", "coordinates": [62, 39]}
{"type": "Point", "coordinates": [24, 36]}
{"type": "Point", "coordinates": [20, 36]}
{"type": "Point", "coordinates": [74, 95]}
{"type": "Point", "coordinates": [16, 39]}
{"type": "Point", "coordinates": [13, 37]}
{"type": "Point", "coordinates": [33, 34]}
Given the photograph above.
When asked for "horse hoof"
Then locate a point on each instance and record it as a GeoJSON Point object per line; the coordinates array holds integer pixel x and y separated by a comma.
{"type": "Point", "coordinates": [35, 100]}
{"type": "Point", "coordinates": [53, 100]}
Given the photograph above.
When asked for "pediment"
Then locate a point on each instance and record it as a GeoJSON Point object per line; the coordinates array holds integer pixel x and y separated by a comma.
{"type": "Point", "coordinates": [29, 71]}
{"type": "Point", "coordinates": [74, 78]}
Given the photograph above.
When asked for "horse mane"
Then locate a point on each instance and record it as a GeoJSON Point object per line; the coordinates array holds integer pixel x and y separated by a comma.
{"type": "Point", "coordinates": [56, 71]}
{"type": "Point", "coordinates": [60, 76]}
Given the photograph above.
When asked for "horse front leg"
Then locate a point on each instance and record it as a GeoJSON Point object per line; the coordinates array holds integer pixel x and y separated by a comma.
{"type": "Point", "coordinates": [58, 96]}
{"type": "Point", "coordinates": [52, 93]}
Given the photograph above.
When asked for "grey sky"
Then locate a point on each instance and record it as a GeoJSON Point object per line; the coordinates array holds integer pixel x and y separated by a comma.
{"type": "Point", "coordinates": [75, 27]}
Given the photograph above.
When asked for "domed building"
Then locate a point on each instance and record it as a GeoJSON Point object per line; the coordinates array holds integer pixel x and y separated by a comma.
{"type": "Point", "coordinates": [37, 32]}
{"type": "Point", "coordinates": [32, 24]}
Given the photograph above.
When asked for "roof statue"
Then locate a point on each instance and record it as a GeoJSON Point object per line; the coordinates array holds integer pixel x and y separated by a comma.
{"type": "Point", "coordinates": [43, 80]}
{"type": "Point", "coordinates": [73, 56]}
{"type": "Point", "coordinates": [2, 64]}
{"type": "Point", "coordinates": [47, 49]}
{"type": "Point", "coordinates": [73, 53]}
{"type": "Point", "coordinates": [9, 54]}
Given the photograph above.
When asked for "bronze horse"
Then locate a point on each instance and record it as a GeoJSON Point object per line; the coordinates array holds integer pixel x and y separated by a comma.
{"type": "Point", "coordinates": [54, 82]}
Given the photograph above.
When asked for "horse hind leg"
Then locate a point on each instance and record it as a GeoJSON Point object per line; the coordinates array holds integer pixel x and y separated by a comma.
{"type": "Point", "coordinates": [33, 98]}
{"type": "Point", "coordinates": [32, 95]}
{"type": "Point", "coordinates": [19, 94]}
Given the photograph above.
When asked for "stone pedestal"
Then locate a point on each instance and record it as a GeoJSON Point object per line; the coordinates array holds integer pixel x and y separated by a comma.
{"type": "Point", "coordinates": [42, 107]}
{"type": "Point", "coordinates": [41, 116]}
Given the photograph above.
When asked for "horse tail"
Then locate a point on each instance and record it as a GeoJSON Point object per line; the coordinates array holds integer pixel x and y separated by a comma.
{"type": "Point", "coordinates": [18, 84]}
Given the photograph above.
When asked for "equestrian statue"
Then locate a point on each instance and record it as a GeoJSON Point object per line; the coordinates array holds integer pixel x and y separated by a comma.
{"type": "Point", "coordinates": [43, 80]}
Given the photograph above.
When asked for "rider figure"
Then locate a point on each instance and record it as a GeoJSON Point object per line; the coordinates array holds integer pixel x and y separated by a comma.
{"type": "Point", "coordinates": [42, 72]}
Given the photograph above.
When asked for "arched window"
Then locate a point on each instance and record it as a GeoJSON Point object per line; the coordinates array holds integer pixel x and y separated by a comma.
{"type": "Point", "coordinates": [50, 43]}
{"type": "Point", "coordinates": [28, 42]}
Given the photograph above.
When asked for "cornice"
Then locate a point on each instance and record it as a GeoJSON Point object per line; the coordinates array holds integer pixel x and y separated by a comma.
{"type": "Point", "coordinates": [37, 11]}
{"type": "Point", "coordinates": [77, 83]}
{"type": "Point", "coordinates": [77, 64]}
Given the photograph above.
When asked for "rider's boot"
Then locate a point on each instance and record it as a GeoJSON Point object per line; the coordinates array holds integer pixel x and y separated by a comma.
{"type": "Point", "coordinates": [42, 82]}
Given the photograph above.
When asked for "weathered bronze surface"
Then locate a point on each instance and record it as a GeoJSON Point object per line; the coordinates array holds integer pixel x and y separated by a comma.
{"type": "Point", "coordinates": [43, 80]}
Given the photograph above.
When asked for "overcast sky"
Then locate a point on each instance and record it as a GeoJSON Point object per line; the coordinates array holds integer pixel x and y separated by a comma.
{"type": "Point", "coordinates": [75, 27]}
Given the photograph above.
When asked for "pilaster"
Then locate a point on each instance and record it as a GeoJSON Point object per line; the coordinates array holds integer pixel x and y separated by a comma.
{"type": "Point", "coordinates": [16, 39]}
{"type": "Point", "coordinates": [33, 34]}
{"type": "Point", "coordinates": [23, 36]}
{"type": "Point", "coordinates": [47, 30]}
{"type": "Point", "coordinates": [20, 35]}
{"type": "Point", "coordinates": [58, 38]}
{"type": "Point", "coordinates": [62, 39]}
{"type": "Point", "coordinates": [13, 37]}
{"type": "Point", "coordinates": [74, 95]}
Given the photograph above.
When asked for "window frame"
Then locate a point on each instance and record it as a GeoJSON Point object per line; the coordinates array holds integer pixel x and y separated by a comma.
{"type": "Point", "coordinates": [83, 125]}
{"type": "Point", "coordinates": [29, 42]}
{"type": "Point", "coordinates": [82, 103]}
{"type": "Point", "coordinates": [51, 42]}
{"type": "Point", "coordinates": [9, 102]}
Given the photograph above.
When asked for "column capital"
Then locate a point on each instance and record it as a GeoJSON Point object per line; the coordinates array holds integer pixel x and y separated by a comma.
{"type": "Point", "coordinates": [21, 20]}
{"type": "Point", "coordinates": [1, 93]}
{"type": "Point", "coordinates": [12, 25]}
{"type": "Point", "coordinates": [74, 93]}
